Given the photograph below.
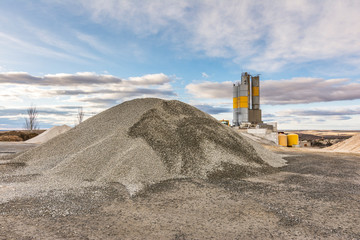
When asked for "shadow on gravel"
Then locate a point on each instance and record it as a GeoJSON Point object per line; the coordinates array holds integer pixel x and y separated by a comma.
{"type": "Point", "coordinates": [7, 167]}
{"type": "Point", "coordinates": [324, 177]}
{"type": "Point", "coordinates": [323, 165]}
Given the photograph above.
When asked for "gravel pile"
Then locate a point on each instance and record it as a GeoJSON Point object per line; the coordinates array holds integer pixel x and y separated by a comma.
{"type": "Point", "coordinates": [350, 145]}
{"type": "Point", "coordinates": [49, 134]}
{"type": "Point", "coordinates": [145, 141]}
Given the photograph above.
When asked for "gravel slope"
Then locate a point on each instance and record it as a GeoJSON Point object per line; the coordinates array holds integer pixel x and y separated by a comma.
{"type": "Point", "coordinates": [49, 134]}
{"type": "Point", "coordinates": [144, 141]}
{"type": "Point", "coordinates": [350, 145]}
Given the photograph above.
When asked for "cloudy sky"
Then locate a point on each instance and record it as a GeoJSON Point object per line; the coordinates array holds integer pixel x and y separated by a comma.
{"type": "Point", "coordinates": [59, 55]}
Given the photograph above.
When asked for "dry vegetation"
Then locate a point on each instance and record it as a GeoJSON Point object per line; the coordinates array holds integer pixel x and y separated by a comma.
{"type": "Point", "coordinates": [18, 136]}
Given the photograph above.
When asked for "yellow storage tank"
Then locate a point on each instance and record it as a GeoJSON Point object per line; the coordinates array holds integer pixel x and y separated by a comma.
{"type": "Point", "coordinates": [292, 139]}
{"type": "Point", "coordinates": [282, 140]}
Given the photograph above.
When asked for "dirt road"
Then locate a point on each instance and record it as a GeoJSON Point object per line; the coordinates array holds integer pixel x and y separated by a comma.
{"type": "Point", "coordinates": [316, 196]}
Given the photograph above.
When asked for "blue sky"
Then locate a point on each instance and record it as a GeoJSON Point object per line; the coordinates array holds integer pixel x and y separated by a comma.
{"type": "Point", "coordinates": [62, 55]}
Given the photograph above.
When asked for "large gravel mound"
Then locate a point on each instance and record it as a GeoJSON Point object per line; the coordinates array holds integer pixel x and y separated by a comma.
{"type": "Point", "coordinates": [349, 145]}
{"type": "Point", "coordinates": [144, 141]}
{"type": "Point", "coordinates": [49, 134]}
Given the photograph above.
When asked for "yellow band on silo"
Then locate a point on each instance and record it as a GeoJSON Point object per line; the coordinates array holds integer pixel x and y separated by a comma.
{"type": "Point", "coordinates": [235, 102]}
{"type": "Point", "coordinates": [255, 91]}
{"type": "Point", "coordinates": [243, 102]}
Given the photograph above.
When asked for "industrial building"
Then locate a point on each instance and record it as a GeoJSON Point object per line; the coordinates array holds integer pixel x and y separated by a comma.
{"type": "Point", "coordinates": [246, 101]}
{"type": "Point", "coordinates": [247, 113]}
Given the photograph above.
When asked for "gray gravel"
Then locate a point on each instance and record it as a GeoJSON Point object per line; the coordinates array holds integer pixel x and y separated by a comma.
{"type": "Point", "coordinates": [142, 142]}
{"type": "Point", "coordinates": [49, 134]}
{"type": "Point", "coordinates": [316, 196]}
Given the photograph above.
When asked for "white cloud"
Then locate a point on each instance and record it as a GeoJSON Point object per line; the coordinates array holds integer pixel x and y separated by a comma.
{"type": "Point", "coordinates": [8, 97]}
{"type": "Point", "coordinates": [142, 17]}
{"type": "Point", "coordinates": [287, 91]}
{"type": "Point", "coordinates": [105, 90]}
{"type": "Point", "coordinates": [308, 90]}
{"type": "Point", "coordinates": [25, 37]}
{"type": "Point", "coordinates": [53, 39]}
{"type": "Point", "coordinates": [15, 43]}
{"type": "Point", "coordinates": [210, 89]}
{"type": "Point", "coordinates": [338, 112]}
{"type": "Point", "coordinates": [93, 42]}
{"type": "Point", "coordinates": [81, 78]}
{"type": "Point", "coordinates": [150, 79]}
{"type": "Point", "coordinates": [204, 75]}
{"type": "Point", "coordinates": [92, 91]}
{"type": "Point", "coordinates": [346, 117]}
{"type": "Point", "coordinates": [263, 35]}
{"type": "Point", "coordinates": [60, 79]}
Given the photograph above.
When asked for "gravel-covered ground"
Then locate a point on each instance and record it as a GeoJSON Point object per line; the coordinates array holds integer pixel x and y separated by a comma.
{"type": "Point", "coordinates": [7, 148]}
{"type": "Point", "coordinates": [316, 196]}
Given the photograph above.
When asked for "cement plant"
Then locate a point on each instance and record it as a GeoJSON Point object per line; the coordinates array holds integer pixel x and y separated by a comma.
{"type": "Point", "coordinates": [179, 120]}
{"type": "Point", "coordinates": [159, 169]}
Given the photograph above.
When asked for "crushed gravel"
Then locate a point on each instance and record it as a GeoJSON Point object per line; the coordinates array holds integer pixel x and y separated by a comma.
{"type": "Point", "coordinates": [49, 134]}
{"type": "Point", "coordinates": [315, 196]}
{"type": "Point", "coordinates": [350, 145]}
{"type": "Point", "coordinates": [138, 143]}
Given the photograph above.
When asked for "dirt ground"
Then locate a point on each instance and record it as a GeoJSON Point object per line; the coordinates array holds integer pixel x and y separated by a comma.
{"type": "Point", "coordinates": [325, 133]}
{"type": "Point", "coordinates": [316, 196]}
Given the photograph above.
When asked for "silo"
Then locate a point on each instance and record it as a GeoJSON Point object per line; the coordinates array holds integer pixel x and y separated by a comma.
{"type": "Point", "coordinates": [235, 105]}
{"type": "Point", "coordinates": [248, 80]}
{"type": "Point", "coordinates": [255, 87]}
{"type": "Point", "coordinates": [243, 102]}
{"type": "Point", "coordinates": [255, 112]}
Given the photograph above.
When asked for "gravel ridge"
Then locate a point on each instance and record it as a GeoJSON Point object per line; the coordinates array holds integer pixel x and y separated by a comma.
{"type": "Point", "coordinates": [49, 134]}
{"type": "Point", "coordinates": [141, 142]}
{"type": "Point", "coordinates": [349, 145]}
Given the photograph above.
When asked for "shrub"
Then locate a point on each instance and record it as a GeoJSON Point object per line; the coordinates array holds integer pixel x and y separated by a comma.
{"type": "Point", "coordinates": [11, 138]}
{"type": "Point", "coordinates": [17, 136]}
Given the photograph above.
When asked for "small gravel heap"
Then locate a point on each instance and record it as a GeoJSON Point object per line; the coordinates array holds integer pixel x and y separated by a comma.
{"type": "Point", "coordinates": [145, 141]}
{"type": "Point", "coordinates": [349, 145]}
{"type": "Point", "coordinates": [49, 134]}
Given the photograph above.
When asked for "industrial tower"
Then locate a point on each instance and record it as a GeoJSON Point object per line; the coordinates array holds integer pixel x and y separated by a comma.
{"type": "Point", "coordinates": [246, 100]}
